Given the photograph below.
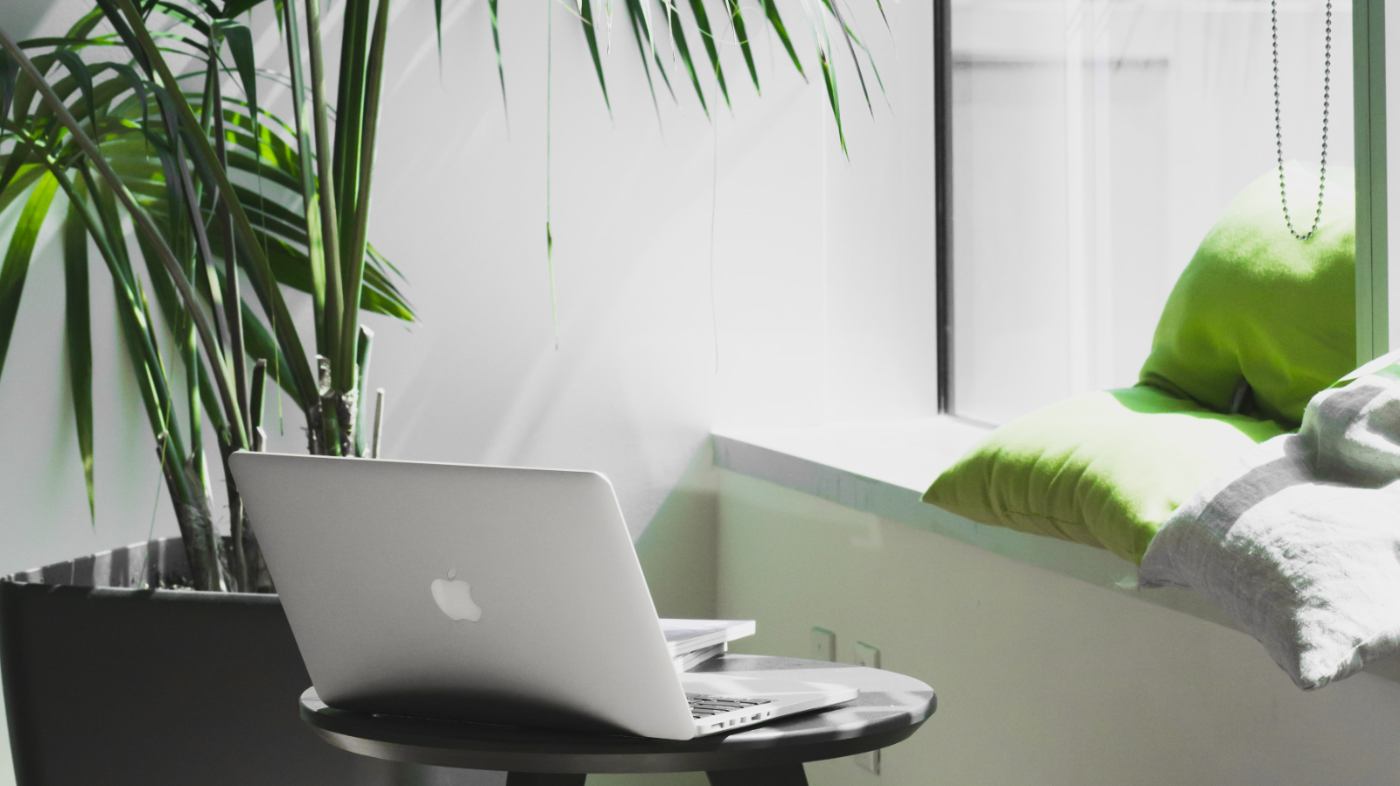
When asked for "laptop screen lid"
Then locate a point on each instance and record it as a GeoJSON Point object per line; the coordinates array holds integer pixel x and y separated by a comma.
{"type": "Point", "coordinates": [494, 594]}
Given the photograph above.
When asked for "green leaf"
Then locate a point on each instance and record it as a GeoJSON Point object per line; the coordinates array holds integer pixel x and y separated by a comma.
{"type": "Point", "coordinates": [683, 49]}
{"type": "Point", "coordinates": [240, 43]}
{"type": "Point", "coordinates": [24, 89]}
{"type": "Point", "coordinates": [78, 336]}
{"type": "Point", "coordinates": [292, 269]}
{"type": "Point", "coordinates": [150, 373]}
{"type": "Point", "coordinates": [181, 15]}
{"type": "Point", "coordinates": [261, 345]}
{"type": "Point", "coordinates": [142, 220]}
{"type": "Point", "coordinates": [381, 295]}
{"type": "Point", "coordinates": [590, 32]}
{"type": "Point", "coordinates": [127, 35]}
{"type": "Point", "coordinates": [437, 27]}
{"type": "Point", "coordinates": [23, 166]}
{"type": "Point", "coordinates": [9, 73]}
{"type": "Point", "coordinates": [80, 72]}
{"type": "Point", "coordinates": [707, 37]}
{"type": "Point", "coordinates": [829, 76]}
{"type": "Point", "coordinates": [770, 9]}
{"type": "Point", "coordinates": [263, 284]}
{"type": "Point", "coordinates": [137, 85]}
{"type": "Point", "coordinates": [736, 17]}
{"type": "Point", "coordinates": [18, 256]}
{"type": "Point", "coordinates": [851, 43]}
{"type": "Point", "coordinates": [491, 6]}
{"type": "Point", "coordinates": [641, 32]}
{"type": "Point", "coordinates": [132, 311]}
{"type": "Point", "coordinates": [236, 8]}
{"type": "Point", "coordinates": [258, 168]}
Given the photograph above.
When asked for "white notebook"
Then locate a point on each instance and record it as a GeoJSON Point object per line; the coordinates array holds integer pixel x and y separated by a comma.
{"type": "Point", "coordinates": [685, 636]}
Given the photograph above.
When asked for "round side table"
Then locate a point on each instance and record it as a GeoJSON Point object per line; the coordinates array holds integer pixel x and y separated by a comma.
{"type": "Point", "coordinates": [889, 709]}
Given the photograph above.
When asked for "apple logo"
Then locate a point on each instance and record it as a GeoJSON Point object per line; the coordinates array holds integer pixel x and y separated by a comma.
{"type": "Point", "coordinates": [454, 597]}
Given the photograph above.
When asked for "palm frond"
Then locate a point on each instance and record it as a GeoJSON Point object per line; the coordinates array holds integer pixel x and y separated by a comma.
{"type": "Point", "coordinates": [78, 339]}
{"type": "Point", "coordinates": [741, 32]}
{"type": "Point", "coordinates": [707, 38]}
{"type": "Point", "coordinates": [20, 252]}
{"type": "Point", "coordinates": [590, 33]}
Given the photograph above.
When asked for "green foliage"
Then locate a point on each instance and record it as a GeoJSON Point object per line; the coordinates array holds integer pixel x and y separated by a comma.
{"type": "Point", "coordinates": [643, 21]}
{"type": "Point", "coordinates": [125, 115]}
{"type": "Point", "coordinates": [214, 191]}
{"type": "Point", "coordinates": [590, 32]}
{"type": "Point", "coordinates": [78, 337]}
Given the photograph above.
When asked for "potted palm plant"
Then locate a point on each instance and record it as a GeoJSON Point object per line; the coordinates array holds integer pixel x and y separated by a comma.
{"type": "Point", "coordinates": [140, 130]}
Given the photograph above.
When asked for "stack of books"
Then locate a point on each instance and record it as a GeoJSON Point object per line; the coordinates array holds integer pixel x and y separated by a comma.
{"type": "Point", "coordinates": [693, 642]}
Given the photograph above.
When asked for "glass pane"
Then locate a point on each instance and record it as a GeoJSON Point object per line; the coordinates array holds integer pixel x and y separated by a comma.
{"type": "Point", "coordinates": [1095, 142]}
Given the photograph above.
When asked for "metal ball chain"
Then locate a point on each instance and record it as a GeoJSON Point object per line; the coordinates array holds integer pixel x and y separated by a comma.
{"type": "Point", "coordinates": [1278, 126]}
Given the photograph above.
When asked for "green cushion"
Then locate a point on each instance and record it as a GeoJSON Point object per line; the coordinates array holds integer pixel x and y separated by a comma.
{"type": "Point", "coordinates": [1105, 469]}
{"type": "Point", "coordinates": [1258, 304]}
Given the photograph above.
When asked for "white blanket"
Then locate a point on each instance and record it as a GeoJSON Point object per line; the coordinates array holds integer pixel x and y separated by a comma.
{"type": "Point", "coordinates": [1300, 545]}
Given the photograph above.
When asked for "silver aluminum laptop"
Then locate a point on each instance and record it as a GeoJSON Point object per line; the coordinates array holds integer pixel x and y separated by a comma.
{"type": "Point", "coordinates": [491, 594]}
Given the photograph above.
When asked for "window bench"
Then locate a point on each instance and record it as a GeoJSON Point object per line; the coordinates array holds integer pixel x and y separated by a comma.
{"type": "Point", "coordinates": [883, 469]}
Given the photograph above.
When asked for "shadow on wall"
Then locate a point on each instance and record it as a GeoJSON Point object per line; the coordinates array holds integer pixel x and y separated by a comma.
{"type": "Point", "coordinates": [678, 551]}
{"type": "Point", "coordinates": [679, 547]}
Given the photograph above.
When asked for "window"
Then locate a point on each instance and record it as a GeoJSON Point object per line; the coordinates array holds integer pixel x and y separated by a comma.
{"type": "Point", "coordinates": [1093, 144]}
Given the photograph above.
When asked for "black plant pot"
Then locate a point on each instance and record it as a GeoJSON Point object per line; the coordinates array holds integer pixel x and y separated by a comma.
{"type": "Point", "coordinates": [108, 684]}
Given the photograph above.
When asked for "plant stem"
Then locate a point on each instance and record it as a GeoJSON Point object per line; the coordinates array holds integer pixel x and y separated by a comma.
{"type": "Point", "coordinates": [325, 195]}
{"type": "Point", "coordinates": [366, 347]}
{"type": "Point", "coordinates": [300, 109]}
{"type": "Point", "coordinates": [349, 108]}
{"type": "Point", "coordinates": [193, 519]}
{"type": "Point", "coordinates": [355, 249]}
{"type": "Point", "coordinates": [232, 296]}
{"type": "Point", "coordinates": [378, 423]}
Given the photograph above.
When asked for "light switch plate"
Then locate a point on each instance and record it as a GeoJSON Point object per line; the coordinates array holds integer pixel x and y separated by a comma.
{"type": "Point", "coordinates": [823, 644]}
{"type": "Point", "coordinates": [867, 655]}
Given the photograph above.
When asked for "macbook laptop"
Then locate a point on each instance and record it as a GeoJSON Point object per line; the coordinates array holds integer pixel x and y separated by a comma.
{"type": "Point", "coordinates": [489, 594]}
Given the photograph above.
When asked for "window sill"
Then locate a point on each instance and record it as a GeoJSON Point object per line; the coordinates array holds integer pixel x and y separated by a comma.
{"type": "Point", "coordinates": [884, 468]}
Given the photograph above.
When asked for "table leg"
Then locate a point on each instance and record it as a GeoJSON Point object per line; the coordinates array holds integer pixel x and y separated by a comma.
{"type": "Point", "coordinates": [782, 775]}
{"type": "Point", "coordinates": [543, 779]}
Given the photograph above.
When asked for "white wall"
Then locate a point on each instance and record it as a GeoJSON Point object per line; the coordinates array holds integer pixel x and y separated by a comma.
{"type": "Point", "coordinates": [821, 277]}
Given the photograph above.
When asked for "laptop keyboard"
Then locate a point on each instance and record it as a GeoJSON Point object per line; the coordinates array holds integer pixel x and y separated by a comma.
{"type": "Point", "coordinates": [705, 706]}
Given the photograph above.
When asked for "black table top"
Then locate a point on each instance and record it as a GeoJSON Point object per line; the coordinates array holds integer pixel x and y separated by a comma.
{"type": "Point", "coordinates": [889, 709]}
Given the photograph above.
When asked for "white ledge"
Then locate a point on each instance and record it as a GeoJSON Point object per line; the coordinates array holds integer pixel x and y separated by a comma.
{"type": "Point", "coordinates": [884, 468]}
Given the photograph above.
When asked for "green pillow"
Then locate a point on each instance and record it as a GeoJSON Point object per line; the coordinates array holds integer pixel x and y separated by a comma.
{"type": "Point", "coordinates": [1257, 304]}
{"type": "Point", "coordinates": [1104, 469]}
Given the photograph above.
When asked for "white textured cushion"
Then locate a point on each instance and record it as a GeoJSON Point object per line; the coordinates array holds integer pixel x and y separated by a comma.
{"type": "Point", "coordinates": [1301, 545]}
